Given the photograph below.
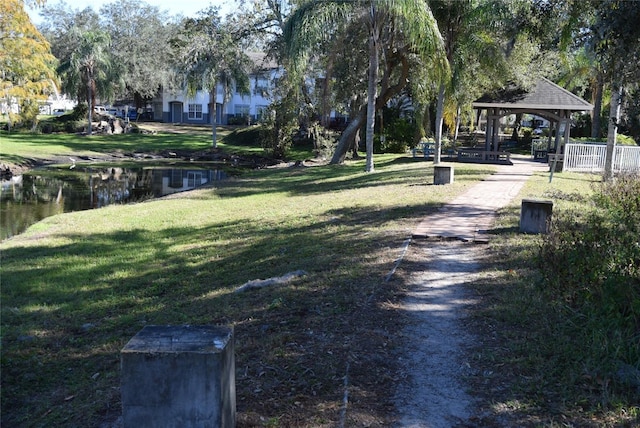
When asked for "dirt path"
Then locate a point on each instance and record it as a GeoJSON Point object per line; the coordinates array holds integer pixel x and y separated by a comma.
{"type": "Point", "coordinates": [433, 393]}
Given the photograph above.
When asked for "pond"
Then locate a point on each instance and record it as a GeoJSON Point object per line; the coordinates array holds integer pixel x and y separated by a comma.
{"type": "Point", "coordinates": [28, 198]}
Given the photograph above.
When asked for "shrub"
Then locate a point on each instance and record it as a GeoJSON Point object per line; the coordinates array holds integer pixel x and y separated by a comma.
{"type": "Point", "coordinates": [280, 124]}
{"type": "Point", "coordinates": [625, 140]}
{"type": "Point", "coordinates": [591, 262]}
{"type": "Point", "coordinates": [395, 146]}
{"type": "Point", "coordinates": [322, 139]}
{"type": "Point", "coordinates": [79, 113]}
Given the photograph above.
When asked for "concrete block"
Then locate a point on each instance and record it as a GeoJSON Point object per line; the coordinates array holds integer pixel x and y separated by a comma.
{"type": "Point", "coordinates": [179, 376]}
{"type": "Point", "coordinates": [442, 174]}
{"type": "Point", "coordinates": [535, 216]}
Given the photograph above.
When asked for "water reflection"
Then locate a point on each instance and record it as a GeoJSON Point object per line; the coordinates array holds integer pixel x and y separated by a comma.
{"type": "Point", "coordinates": [28, 198]}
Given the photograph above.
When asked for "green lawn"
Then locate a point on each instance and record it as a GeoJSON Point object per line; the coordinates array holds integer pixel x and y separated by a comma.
{"type": "Point", "coordinates": [76, 287]}
{"type": "Point", "coordinates": [15, 147]}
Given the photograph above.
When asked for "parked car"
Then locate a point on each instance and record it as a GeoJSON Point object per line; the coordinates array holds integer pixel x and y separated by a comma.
{"type": "Point", "coordinates": [100, 110]}
{"type": "Point", "coordinates": [143, 115]}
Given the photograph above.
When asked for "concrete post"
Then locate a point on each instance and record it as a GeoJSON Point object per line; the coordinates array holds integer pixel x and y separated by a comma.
{"type": "Point", "coordinates": [179, 376]}
{"type": "Point", "coordinates": [535, 216]}
{"type": "Point", "coordinates": [442, 174]}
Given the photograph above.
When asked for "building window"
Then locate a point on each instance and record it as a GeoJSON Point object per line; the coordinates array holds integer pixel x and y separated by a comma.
{"type": "Point", "coordinates": [242, 110]}
{"type": "Point", "coordinates": [195, 111]}
{"type": "Point", "coordinates": [194, 178]}
{"type": "Point", "coordinates": [261, 86]}
{"type": "Point", "coordinates": [175, 179]}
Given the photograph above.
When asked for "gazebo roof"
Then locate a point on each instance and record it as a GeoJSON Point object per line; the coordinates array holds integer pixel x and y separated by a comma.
{"type": "Point", "coordinates": [545, 95]}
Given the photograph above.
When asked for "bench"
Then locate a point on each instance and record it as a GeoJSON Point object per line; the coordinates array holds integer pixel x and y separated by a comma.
{"type": "Point", "coordinates": [426, 148]}
{"type": "Point", "coordinates": [539, 149]}
{"type": "Point", "coordinates": [484, 156]}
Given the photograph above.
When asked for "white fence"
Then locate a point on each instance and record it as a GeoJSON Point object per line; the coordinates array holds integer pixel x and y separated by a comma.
{"type": "Point", "coordinates": [591, 158]}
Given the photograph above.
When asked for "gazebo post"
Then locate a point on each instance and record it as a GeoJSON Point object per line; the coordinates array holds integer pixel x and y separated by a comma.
{"type": "Point", "coordinates": [556, 141]}
{"type": "Point", "coordinates": [488, 132]}
{"type": "Point", "coordinates": [496, 132]}
{"type": "Point", "coordinates": [551, 128]}
{"type": "Point", "coordinates": [567, 128]}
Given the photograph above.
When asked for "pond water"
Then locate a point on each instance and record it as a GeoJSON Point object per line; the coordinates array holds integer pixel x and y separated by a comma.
{"type": "Point", "coordinates": [26, 199]}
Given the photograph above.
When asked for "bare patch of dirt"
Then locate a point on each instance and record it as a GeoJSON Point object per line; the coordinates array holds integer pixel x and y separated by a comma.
{"type": "Point", "coordinates": [434, 360]}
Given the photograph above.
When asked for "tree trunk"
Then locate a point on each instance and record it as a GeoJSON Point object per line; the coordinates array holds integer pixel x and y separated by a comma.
{"type": "Point", "coordinates": [426, 121]}
{"type": "Point", "coordinates": [457, 129]}
{"type": "Point", "coordinates": [90, 104]}
{"type": "Point", "coordinates": [596, 127]}
{"type": "Point", "coordinates": [387, 92]}
{"type": "Point", "coordinates": [439, 120]}
{"type": "Point", "coordinates": [346, 138]}
{"type": "Point", "coordinates": [372, 90]}
{"type": "Point", "coordinates": [356, 144]}
{"type": "Point", "coordinates": [614, 117]}
{"type": "Point", "coordinates": [214, 117]}
{"type": "Point", "coordinates": [325, 116]}
{"type": "Point", "coordinates": [516, 128]}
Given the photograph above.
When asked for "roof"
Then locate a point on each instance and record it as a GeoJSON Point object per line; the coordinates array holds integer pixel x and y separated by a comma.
{"type": "Point", "coordinates": [545, 95]}
{"type": "Point", "coordinates": [261, 61]}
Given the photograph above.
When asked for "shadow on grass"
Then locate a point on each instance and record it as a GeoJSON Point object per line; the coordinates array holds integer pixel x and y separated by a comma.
{"type": "Point", "coordinates": [68, 310]}
{"type": "Point", "coordinates": [319, 180]}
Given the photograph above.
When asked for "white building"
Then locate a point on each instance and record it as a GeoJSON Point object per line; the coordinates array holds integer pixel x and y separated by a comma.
{"type": "Point", "coordinates": [177, 107]}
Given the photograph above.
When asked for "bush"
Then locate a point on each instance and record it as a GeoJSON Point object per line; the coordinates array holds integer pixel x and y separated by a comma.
{"type": "Point", "coordinates": [591, 263]}
{"type": "Point", "coordinates": [323, 140]}
{"type": "Point", "coordinates": [394, 146]}
{"type": "Point", "coordinates": [79, 112]}
{"type": "Point", "coordinates": [621, 139]}
{"type": "Point", "coordinates": [625, 140]}
{"type": "Point", "coordinates": [399, 135]}
{"type": "Point", "coordinates": [279, 127]}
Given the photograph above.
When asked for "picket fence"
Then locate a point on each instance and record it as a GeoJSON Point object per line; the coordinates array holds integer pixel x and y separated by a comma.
{"type": "Point", "coordinates": [591, 158]}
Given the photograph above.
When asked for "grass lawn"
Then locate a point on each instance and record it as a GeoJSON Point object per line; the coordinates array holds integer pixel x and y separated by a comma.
{"type": "Point", "coordinates": [76, 287]}
{"type": "Point", "coordinates": [20, 148]}
{"type": "Point", "coordinates": [535, 364]}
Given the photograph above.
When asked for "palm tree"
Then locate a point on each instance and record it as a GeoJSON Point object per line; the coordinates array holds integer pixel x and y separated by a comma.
{"type": "Point", "coordinates": [208, 54]}
{"type": "Point", "coordinates": [412, 19]}
{"type": "Point", "coordinates": [472, 50]}
{"type": "Point", "coordinates": [89, 71]}
{"type": "Point", "coordinates": [584, 66]}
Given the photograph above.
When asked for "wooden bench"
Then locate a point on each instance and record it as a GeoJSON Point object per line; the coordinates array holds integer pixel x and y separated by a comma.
{"type": "Point", "coordinates": [484, 156]}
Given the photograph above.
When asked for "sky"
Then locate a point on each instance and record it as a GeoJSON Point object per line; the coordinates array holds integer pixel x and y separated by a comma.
{"type": "Point", "coordinates": [174, 7]}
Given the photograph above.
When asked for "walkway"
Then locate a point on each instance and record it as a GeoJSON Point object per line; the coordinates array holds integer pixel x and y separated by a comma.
{"type": "Point", "coordinates": [433, 392]}
{"type": "Point", "coordinates": [469, 216]}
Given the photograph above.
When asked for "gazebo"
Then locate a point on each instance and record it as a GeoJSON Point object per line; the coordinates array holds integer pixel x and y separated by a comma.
{"type": "Point", "coordinates": [544, 99]}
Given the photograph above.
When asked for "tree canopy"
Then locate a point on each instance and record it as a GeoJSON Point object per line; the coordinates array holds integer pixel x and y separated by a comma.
{"type": "Point", "coordinates": [90, 72]}
{"type": "Point", "coordinates": [395, 30]}
{"type": "Point", "coordinates": [353, 57]}
{"type": "Point", "coordinates": [27, 66]}
{"type": "Point", "coordinates": [207, 53]}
